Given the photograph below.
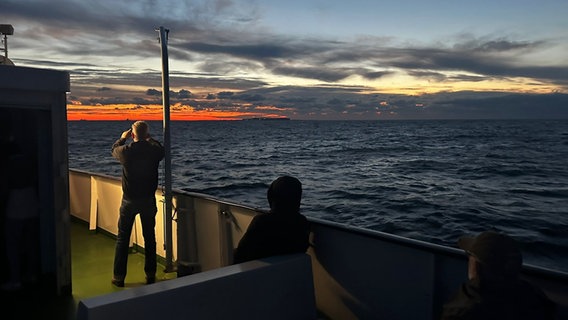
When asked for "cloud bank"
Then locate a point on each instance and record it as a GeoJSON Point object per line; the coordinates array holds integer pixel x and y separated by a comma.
{"type": "Point", "coordinates": [222, 56]}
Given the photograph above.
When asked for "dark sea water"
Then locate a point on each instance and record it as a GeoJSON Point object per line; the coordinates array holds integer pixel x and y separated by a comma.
{"type": "Point", "coordinates": [426, 180]}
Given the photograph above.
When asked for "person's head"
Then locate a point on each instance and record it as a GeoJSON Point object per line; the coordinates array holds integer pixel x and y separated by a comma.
{"type": "Point", "coordinates": [285, 194]}
{"type": "Point", "coordinates": [492, 256]}
{"type": "Point", "coordinates": [140, 130]}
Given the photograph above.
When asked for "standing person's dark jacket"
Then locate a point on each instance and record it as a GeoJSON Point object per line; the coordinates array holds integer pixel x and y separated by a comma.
{"type": "Point", "coordinates": [140, 161]}
{"type": "Point", "coordinates": [516, 301]}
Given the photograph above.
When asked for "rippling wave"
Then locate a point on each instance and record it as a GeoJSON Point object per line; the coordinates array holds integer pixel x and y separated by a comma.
{"type": "Point", "coordinates": [427, 180]}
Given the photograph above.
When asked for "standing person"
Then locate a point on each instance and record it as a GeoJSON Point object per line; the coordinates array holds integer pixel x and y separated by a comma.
{"type": "Point", "coordinates": [140, 160]}
{"type": "Point", "coordinates": [494, 289]}
{"type": "Point", "coordinates": [283, 230]}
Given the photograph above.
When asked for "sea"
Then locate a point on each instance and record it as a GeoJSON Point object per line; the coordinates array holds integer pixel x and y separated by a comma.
{"type": "Point", "coordinates": [430, 180]}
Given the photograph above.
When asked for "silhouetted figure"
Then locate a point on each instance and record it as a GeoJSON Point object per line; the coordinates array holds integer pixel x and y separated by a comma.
{"type": "Point", "coordinates": [140, 161]}
{"type": "Point", "coordinates": [494, 289]}
{"type": "Point", "coordinates": [283, 230]}
{"type": "Point", "coordinates": [22, 222]}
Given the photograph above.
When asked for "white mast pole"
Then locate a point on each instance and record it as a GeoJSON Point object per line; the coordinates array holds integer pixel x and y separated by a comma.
{"type": "Point", "coordinates": [167, 146]}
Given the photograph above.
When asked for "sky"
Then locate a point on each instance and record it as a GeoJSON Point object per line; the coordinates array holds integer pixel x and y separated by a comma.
{"type": "Point", "coordinates": [304, 60]}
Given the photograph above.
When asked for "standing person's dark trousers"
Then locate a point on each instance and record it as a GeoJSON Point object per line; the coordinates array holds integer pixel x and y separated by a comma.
{"type": "Point", "coordinates": [146, 207]}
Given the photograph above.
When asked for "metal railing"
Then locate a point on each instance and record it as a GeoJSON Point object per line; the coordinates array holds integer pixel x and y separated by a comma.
{"type": "Point", "coordinates": [357, 273]}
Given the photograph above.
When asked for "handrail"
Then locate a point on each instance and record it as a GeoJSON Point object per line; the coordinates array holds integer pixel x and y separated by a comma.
{"type": "Point", "coordinates": [419, 244]}
{"type": "Point", "coordinates": [431, 247]}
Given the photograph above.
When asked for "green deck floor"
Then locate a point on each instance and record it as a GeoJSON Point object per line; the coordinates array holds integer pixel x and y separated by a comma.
{"type": "Point", "coordinates": [92, 256]}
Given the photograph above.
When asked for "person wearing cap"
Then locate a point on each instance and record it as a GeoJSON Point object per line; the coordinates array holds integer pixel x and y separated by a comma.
{"type": "Point", "coordinates": [494, 289]}
{"type": "Point", "coordinates": [282, 230]}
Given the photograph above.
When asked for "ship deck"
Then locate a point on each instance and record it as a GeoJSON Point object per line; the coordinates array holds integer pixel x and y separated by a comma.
{"type": "Point", "coordinates": [92, 255]}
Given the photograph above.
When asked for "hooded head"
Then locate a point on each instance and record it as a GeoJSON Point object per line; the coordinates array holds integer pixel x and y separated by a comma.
{"type": "Point", "coordinates": [285, 194]}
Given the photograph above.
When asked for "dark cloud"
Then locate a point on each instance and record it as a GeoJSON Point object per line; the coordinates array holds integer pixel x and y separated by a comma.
{"type": "Point", "coordinates": [225, 95]}
{"type": "Point", "coordinates": [372, 75]}
{"type": "Point", "coordinates": [231, 83]}
{"type": "Point", "coordinates": [324, 74]}
{"type": "Point", "coordinates": [174, 95]}
{"type": "Point", "coordinates": [253, 51]}
{"type": "Point", "coordinates": [437, 76]}
{"type": "Point", "coordinates": [488, 65]}
{"type": "Point", "coordinates": [117, 100]}
{"type": "Point", "coordinates": [248, 97]}
{"type": "Point", "coordinates": [182, 94]}
{"type": "Point", "coordinates": [496, 45]}
{"type": "Point", "coordinates": [153, 92]}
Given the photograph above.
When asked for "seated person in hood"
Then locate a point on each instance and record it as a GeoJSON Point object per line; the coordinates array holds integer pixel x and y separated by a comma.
{"type": "Point", "coordinates": [282, 230]}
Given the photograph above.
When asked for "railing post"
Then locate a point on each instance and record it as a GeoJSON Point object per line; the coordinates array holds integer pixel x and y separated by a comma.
{"type": "Point", "coordinates": [167, 147]}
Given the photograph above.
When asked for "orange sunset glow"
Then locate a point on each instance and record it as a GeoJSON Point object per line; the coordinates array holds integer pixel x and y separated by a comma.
{"type": "Point", "coordinates": [121, 112]}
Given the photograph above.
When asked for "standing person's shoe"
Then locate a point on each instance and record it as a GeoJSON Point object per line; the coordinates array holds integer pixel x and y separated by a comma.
{"type": "Point", "coordinates": [117, 282]}
{"type": "Point", "coordinates": [150, 279]}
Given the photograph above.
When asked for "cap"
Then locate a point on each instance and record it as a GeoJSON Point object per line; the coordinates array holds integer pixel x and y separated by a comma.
{"type": "Point", "coordinates": [496, 250]}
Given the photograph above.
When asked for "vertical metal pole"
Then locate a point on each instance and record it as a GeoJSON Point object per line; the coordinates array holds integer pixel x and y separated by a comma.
{"type": "Point", "coordinates": [167, 148]}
